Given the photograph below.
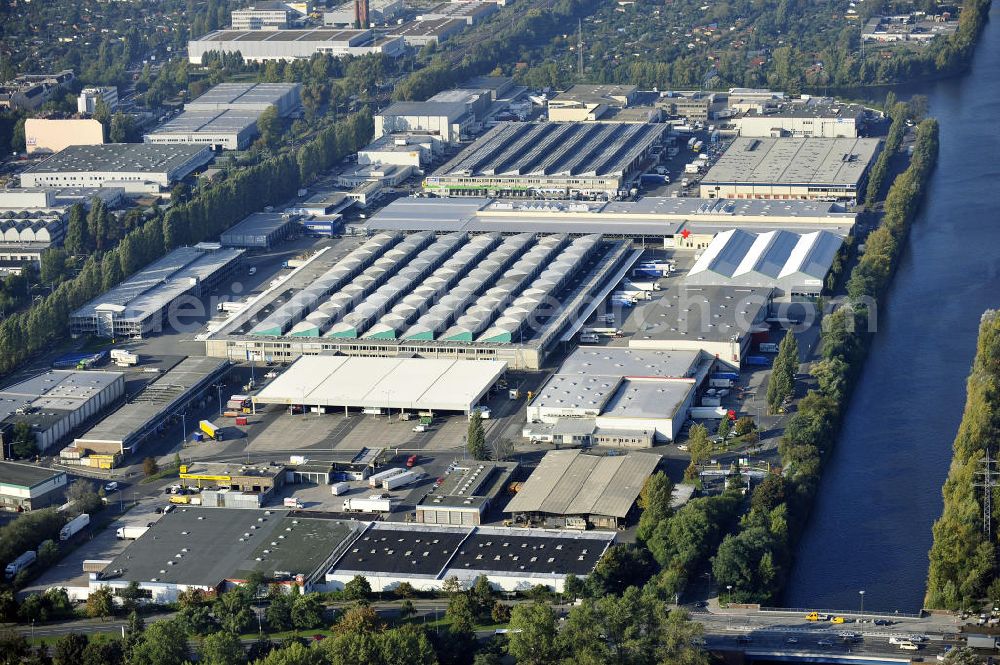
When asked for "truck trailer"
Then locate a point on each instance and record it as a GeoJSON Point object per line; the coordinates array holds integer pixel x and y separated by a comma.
{"type": "Point", "coordinates": [375, 503]}
{"type": "Point", "coordinates": [401, 480]}
{"type": "Point", "coordinates": [708, 412]}
{"type": "Point", "coordinates": [130, 532]}
{"type": "Point", "coordinates": [375, 480]}
{"type": "Point", "coordinates": [211, 430]}
{"type": "Point", "coordinates": [74, 526]}
{"type": "Point", "coordinates": [19, 564]}
{"type": "Point", "coordinates": [124, 358]}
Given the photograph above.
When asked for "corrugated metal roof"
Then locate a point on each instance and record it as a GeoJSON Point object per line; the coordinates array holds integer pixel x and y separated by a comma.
{"type": "Point", "coordinates": [567, 482]}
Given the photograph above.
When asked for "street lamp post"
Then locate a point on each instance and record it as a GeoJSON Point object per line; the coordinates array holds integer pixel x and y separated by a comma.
{"type": "Point", "coordinates": [729, 594]}
{"type": "Point", "coordinates": [218, 391]}
{"type": "Point", "coordinates": [862, 594]}
{"type": "Point", "coordinates": [184, 427]}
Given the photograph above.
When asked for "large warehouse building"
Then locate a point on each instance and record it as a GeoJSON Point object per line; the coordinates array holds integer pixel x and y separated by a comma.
{"type": "Point", "coordinates": [424, 556]}
{"type": "Point", "coordinates": [57, 402]}
{"type": "Point", "coordinates": [28, 487]}
{"type": "Point", "coordinates": [467, 494]}
{"type": "Point", "coordinates": [448, 120]}
{"type": "Point", "coordinates": [792, 168]}
{"type": "Point", "coordinates": [452, 296]}
{"type": "Point", "coordinates": [264, 45]}
{"type": "Point", "coordinates": [717, 320]}
{"type": "Point", "coordinates": [551, 160]}
{"type": "Point", "coordinates": [261, 230]}
{"type": "Point", "coordinates": [148, 411]}
{"type": "Point", "coordinates": [575, 490]}
{"type": "Point", "coordinates": [819, 120]}
{"type": "Point", "coordinates": [137, 167]}
{"type": "Point", "coordinates": [794, 265]}
{"type": "Point", "coordinates": [139, 305]}
{"type": "Point", "coordinates": [52, 135]}
{"type": "Point", "coordinates": [249, 97]}
{"type": "Point", "coordinates": [615, 396]}
{"type": "Point", "coordinates": [393, 384]}
{"type": "Point", "coordinates": [212, 550]}
{"type": "Point", "coordinates": [682, 223]}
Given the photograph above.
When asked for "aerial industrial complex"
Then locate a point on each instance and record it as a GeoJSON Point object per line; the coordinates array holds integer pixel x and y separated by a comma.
{"type": "Point", "coordinates": [594, 160]}
{"type": "Point", "coordinates": [264, 45]}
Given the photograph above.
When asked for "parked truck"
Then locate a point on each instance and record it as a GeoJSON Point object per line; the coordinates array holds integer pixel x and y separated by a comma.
{"type": "Point", "coordinates": [19, 564]}
{"type": "Point", "coordinates": [338, 489]}
{"type": "Point", "coordinates": [401, 480]}
{"type": "Point", "coordinates": [692, 168]}
{"type": "Point", "coordinates": [211, 430]}
{"type": "Point", "coordinates": [641, 286]}
{"type": "Point", "coordinates": [375, 503]}
{"type": "Point", "coordinates": [74, 526]}
{"type": "Point", "coordinates": [294, 263]}
{"type": "Point", "coordinates": [375, 480]}
{"type": "Point", "coordinates": [130, 532]}
{"type": "Point", "coordinates": [124, 358]}
{"type": "Point", "coordinates": [291, 502]}
{"type": "Point", "coordinates": [708, 412]}
{"type": "Point", "coordinates": [231, 306]}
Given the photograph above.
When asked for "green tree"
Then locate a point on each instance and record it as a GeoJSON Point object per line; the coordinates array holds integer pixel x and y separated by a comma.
{"type": "Point", "coordinates": [134, 634]}
{"type": "Point", "coordinates": [476, 438]}
{"type": "Point", "coordinates": [68, 650]}
{"type": "Point", "coordinates": [699, 445]}
{"type": "Point", "coordinates": [654, 501]}
{"type": "Point", "coordinates": [621, 566]}
{"type": "Point", "coordinates": [77, 239]}
{"type": "Point", "coordinates": [104, 652]}
{"type": "Point", "coordinates": [122, 128]}
{"type": "Point", "coordinates": [150, 467]}
{"type": "Point", "coordinates": [221, 648]}
{"type": "Point", "coordinates": [232, 610]}
{"type": "Point", "coordinates": [100, 603]}
{"type": "Point", "coordinates": [724, 426]}
{"type": "Point", "coordinates": [279, 610]}
{"type": "Point", "coordinates": [781, 384]}
{"type": "Point", "coordinates": [23, 445]}
{"type": "Point", "coordinates": [533, 634]}
{"type": "Point", "coordinates": [357, 589]}
{"type": "Point", "coordinates": [680, 639]}
{"type": "Point", "coordinates": [163, 643]}
{"type": "Point", "coordinates": [269, 125]}
{"type": "Point", "coordinates": [744, 426]}
{"type": "Point", "coordinates": [406, 609]}
{"type": "Point", "coordinates": [461, 613]}
{"type": "Point", "coordinates": [307, 612]}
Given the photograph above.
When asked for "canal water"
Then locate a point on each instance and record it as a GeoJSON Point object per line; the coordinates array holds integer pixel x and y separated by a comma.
{"type": "Point", "coordinates": [870, 528]}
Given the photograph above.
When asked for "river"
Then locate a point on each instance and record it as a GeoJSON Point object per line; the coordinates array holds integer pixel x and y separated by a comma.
{"type": "Point", "coordinates": [870, 528]}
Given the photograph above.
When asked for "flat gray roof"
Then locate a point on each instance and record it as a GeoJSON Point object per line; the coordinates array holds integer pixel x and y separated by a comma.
{"type": "Point", "coordinates": [793, 161]}
{"type": "Point", "coordinates": [701, 313]}
{"type": "Point", "coordinates": [208, 122]}
{"type": "Point", "coordinates": [56, 389]}
{"type": "Point", "coordinates": [154, 402]}
{"type": "Point", "coordinates": [568, 482]}
{"type": "Point", "coordinates": [206, 546]}
{"type": "Point", "coordinates": [553, 149]}
{"type": "Point", "coordinates": [429, 27]}
{"type": "Point", "coordinates": [119, 157]}
{"type": "Point", "coordinates": [595, 378]}
{"type": "Point", "coordinates": [25, 475]}
{"type": "Point", "coordinates": [596, 94]}
{"type": "Point", "coordinates": [453, 110]}
{"type": "Point", "coordinates": [470, 485]}
{"type": "Point", "coordinates": [259, 223]}
{"type": "Point", "coordinates": [246, 96]}
{"type": "Point", "coordinates": [155, 286]}
{"type": "Point", "coordinates": [650, 216]}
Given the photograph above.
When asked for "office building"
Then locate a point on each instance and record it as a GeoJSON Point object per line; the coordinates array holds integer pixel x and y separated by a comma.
{"type": "Point", "coordinates": [792, 168]}
{"type": "Point", "coordinates": [86, 103]}
{"type": "Point", "coordinates": [403, 149]}
{"type": "Point", "coordinates": [380, 12]}
{"type": "Point", "coordinates": [264, 45]}
{"type": "Point", "coordinates": [471, 12]}
{"type": "Point", "coordinates": [549, 160]}
{"type": "Point", "coordinates": [815, 118]}
{"type": "Point", "coordinates": [570, 489]}
{"type": "Point", "coordinates": [139, 306]}
{"type": "Point", "coordinates": [29, 487]}
{"type": "Point", "coordinates": [261, 16]}
{"type": "Point", "coordinates": [57, 402]}
{"type": "Point", "coordinates": [136, 167]}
